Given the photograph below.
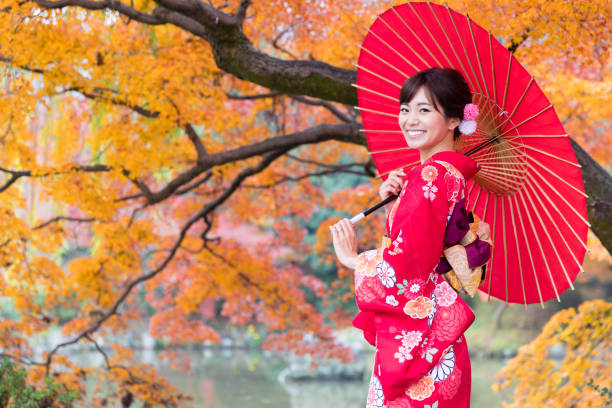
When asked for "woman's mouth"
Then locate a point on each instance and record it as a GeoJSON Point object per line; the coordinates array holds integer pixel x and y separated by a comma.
{"type": "Point", "coordinates": [414, 132]}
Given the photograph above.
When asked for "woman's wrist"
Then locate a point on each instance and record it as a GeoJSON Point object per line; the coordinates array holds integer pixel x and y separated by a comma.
{"type": "Point", "coordinates": [351, 262]}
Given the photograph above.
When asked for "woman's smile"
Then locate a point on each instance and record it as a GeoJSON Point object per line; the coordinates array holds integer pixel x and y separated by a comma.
{"type": "Point", "coordinates": [414, 132]}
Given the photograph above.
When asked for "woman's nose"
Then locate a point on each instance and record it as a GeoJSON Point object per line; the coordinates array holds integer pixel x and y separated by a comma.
{"type": "Point", "coordinates": [411, 118]}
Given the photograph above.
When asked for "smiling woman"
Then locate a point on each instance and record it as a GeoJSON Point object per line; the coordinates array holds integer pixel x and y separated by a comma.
{"type": "Point", "coordinates": [432, 103]}
{"type": "Point", "coordinates": [409, 312]}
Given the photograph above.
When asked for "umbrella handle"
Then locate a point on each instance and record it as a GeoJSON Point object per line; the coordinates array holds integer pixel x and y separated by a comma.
{"type": "Point", "coordinates": [370, 210]}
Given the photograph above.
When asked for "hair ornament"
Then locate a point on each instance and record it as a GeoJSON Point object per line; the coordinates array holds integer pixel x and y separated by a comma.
{"type": "Point", "coordinates": [468, 124]}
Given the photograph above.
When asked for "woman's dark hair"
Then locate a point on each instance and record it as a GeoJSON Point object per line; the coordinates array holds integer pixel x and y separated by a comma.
{"type": "Point", "coordinates": [444, 87]}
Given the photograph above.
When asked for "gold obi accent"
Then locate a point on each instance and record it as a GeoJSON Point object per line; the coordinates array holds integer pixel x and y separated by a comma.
{"type": "Point", "coordinates": [462, 278]}
{"type": "Point", "coordinates": [386, 242]}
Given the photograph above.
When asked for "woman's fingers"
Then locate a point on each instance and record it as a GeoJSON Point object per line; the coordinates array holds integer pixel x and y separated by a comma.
{"type": "Point", "coordinates": [346, 228]}
{"type": "Point", "coordinates": [345, 242]}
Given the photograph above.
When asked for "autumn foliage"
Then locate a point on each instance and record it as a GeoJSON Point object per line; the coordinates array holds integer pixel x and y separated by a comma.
{"type": "Point", "coordinates": [132, 149]}
{"type": "Point", "coordinates": [583, 339]}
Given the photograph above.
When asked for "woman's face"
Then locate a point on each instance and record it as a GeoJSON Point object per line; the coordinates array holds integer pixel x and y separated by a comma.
{"type": "Point", "coordinates": [423, 127]}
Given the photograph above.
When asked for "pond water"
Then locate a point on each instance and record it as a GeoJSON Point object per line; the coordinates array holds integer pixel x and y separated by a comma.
{"type": "Point", "coordinates": [239, 379]}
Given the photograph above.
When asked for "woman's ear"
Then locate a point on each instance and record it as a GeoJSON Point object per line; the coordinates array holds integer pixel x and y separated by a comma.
{"type": "Point", "coordinates": [453, 123]}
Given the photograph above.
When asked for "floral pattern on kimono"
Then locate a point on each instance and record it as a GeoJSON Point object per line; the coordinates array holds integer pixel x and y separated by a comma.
{"type": "Point", "coordinates": [415, 320]}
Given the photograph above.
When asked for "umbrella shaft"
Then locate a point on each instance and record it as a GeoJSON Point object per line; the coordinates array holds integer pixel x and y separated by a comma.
{"type": "Point", "coordinates": [370, 210]}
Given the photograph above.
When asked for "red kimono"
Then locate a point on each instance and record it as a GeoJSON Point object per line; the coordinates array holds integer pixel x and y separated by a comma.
{"type": "Point", "coordinates": [409, 312]}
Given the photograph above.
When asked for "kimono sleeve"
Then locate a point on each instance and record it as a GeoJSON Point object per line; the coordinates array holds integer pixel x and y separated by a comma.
{"type": "Point", "coordinates": [408, 346]}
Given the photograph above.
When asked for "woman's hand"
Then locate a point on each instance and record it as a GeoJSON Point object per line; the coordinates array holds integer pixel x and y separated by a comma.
{"type": "Point", "coordinates": [392, 185]}
{"type": "Point", "coordinates": [345, 243]}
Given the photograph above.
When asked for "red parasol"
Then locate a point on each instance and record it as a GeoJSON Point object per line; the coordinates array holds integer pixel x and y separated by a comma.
{"type": "Point", "coordinates": [529, 188]}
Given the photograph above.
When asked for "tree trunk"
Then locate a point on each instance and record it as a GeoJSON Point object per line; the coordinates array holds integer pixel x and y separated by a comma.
{"type": "Point", "coordinates": [598, 186]}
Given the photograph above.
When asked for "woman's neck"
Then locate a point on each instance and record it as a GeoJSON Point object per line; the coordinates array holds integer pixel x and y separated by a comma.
{"type": "Point", "coordinates": [448, 145]}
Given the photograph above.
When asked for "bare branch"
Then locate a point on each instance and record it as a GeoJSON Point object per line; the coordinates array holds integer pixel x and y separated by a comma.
{"type": "Point", "coordinates": [195, 185]}
{"type": "Point", "coordinates": [327, 105]}
{"type": "Point", "coordinates": [62, 218]}
{"type": "Point", "coordinates": [368, 167]}
{"type": "Point", "coordinates": [343, 132]}
{"type": "Point", "coordinates": [278, 47]}
{"type": "Point", "coordinates": [146, 191]}
{"type": "Point", "coordinates": [100, 350]}
{"type": "Point", "coordinates": [115, 101]}
{"type": "Point", "coordinates": [197, 142]}
{"type": "Point", "coordinates": [266, 160]}
{"type": "Point", "coordinates": [307, 175]}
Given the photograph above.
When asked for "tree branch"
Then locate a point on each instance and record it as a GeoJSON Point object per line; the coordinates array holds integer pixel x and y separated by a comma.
{"type": "Point", "coordinates": [267, 159]}
{"type": "Point", "coordinates": [327, 105]}
{"type": "Point", "coordinates": [233, 51]}
{"type": "Point", "coordinates": [278, 47]}
{"type": "Point", "coordinates": [197, 142]}
{"type": "Point", "coordinates": [100, 350]}
{"type": "Point", "coordinates": [62, 218]}
{"type": "Point", "coordinates": [252, 97]}
{"type": "Point", "coordinates": [598, 186]}
{"type": "Point", "coordinates": [17, 174]}
{"type": "Point", "coordinates": [242, 10]}
{"type": "Point", "coordinates": [195, 184]}
{"type": "Point", "coordinates": [344, 132]}
{"type": "Point", "coordinates": [115, 101]}
{"type": "Point", "coordinates": [307, 175]}
{"type": "Point", "coordinates": [116, 5]}
{"type": "Point", "coordinates": [24, 67]}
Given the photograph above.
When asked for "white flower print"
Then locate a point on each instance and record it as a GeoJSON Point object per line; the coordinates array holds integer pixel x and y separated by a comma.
{"type": "Point", "coordinates": [403, 354]}
{"type": "Point", "coordinates": [409, 341]}
{"type": "Point", "coordinates": [376, 398]}
{"type": "Point", "coordinates": [391, 300]}
{"type": "Point", "coordinates": [445, 366]}
{"type": "Point", "coordinates": [445, 294]}
{"type": "Point", "coordinates": [414, 288]}
{"type": "Point", "coordinates": [430, 191]}
{"type": "Point", "coordinates": [396, 245]}
{"type": "Point", "coordinates": [386, 274]}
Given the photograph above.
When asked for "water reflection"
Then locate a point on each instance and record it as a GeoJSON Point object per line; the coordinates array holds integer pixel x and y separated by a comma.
{"type": "Point", "coordinates": [239, 379]}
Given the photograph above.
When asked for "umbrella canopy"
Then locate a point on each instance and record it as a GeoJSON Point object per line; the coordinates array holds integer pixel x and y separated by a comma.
{"type": "Point", "coordinates": [529, 187]}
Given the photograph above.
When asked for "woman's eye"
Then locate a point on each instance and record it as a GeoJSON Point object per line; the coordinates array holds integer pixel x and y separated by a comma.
{"type": "Point", "coordinates": [404, 110]}
{"type": "Point", "coordinates": [424, 110]}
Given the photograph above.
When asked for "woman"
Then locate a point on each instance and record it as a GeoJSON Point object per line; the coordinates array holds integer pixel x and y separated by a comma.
{"type": "Point", "coordinates": [409, 312]}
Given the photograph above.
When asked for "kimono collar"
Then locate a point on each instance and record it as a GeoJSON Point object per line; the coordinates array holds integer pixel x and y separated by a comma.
{"type": "Point", "coordinates": [466, 165]}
